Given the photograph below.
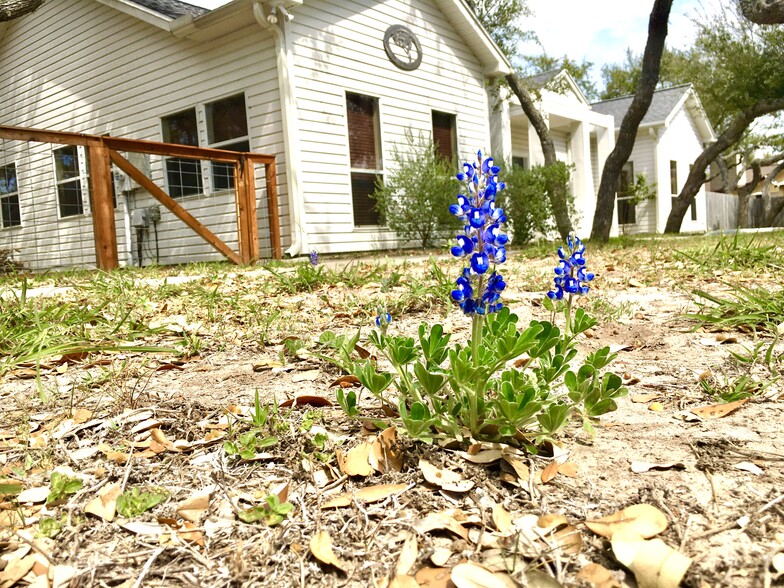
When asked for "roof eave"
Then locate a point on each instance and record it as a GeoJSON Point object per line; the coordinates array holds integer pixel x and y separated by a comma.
{"type": "Point", "coordinates": [494, 62]}
{"type": "Point", "coordinates": [140, 12]}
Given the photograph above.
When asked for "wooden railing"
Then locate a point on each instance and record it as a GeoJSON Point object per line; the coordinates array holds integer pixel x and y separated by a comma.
{"type": "Point", "coordinates": [103, 151]}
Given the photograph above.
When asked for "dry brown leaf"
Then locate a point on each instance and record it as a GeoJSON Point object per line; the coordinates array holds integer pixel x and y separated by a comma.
{"type": "Point", "coordinates": [654, 563]}
{"type": "Point", "coordinates": [306, 376]}
{"type": "Point", "coordinates": [356, 462]}
{"type": "Point", "coordinates": [281, 491]}
{"type": "Point", "coordinates": [639, 467]}
{"type": "Point", "coordinates": [408, 556]}
{"type": "Point", "coordinates": [569, 469]}
{"type": "Point", "coordinates": [194, 507]}
{"type": "Point", "coordinates": [434, 577]}
{"type": "Point", "coordinates": [191, 534]}
{"type": "Point", "coordinates": [566, 536]}
{"type": "Point", "coordinates": [141, 528]}
{"type": "Point", "coordinates": [368, 494]}
{"type": "Point", "coordinates": [520, 467]}
{"type": "Point", "coordinates": [502, 519]}
{"type": "Point", "coordinates": [16, 570]}
{"type": "Point", "coordinates": [403, 581]}
{"type": "Point", "coordinates": [747, 466]}
{"type": "Point", "coordinates": [716, 411]}
{"type": "Point", "coordinates": [33, 495]}
{"type": "Point", "coordinates": [643, 398]}
{"type": "Point", "coordinates": [104, 505]}
{"type": "Point", "coordinates": [598, 576]}
{"type": "Point", "coordinates": [482, 457]}
{"type": "Point", "coordinates": [635, 283]}
{"type": "Point", "coordinates": [472, 575]}
{"type": "Point", "coordinates": [656, 407]}
{"type": "Point", "coordinates": [349, 381]}
{"type": "Point", "coordinates": [160, 437]}
{"type": "Point", "coordinates": [440, 556]}
{"type": "Point", "coordinates": [549, 472]}
{"type": "Point", "coordinates": [321, 548]}
{"type": "Point", "coordinates": [440, 520]}
{"type": "Point", "coordinates": [641, 520]}
{"type": "Point", "coordinates": [386, 454]}
{"type": "Point", "coordinates": [82, 416]}
{"type": "Point", "coordinates": [444, 479]}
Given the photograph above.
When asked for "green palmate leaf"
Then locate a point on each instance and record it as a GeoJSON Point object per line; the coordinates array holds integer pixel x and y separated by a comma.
{"type": "Point", "coordinates": [272, 513]}
{"type": "Point", "coordinates": [418, 421]}
{"type": "Point", "coordinates": [547, 337]}
{"type": "Point", "coordinates": [61, 485]}
{"type": "Point", "coordinates": [401, 350]}
{"type": "Point", "coordinates": [554, 418]}
{"type": "Point", "coordinates": [348, 402]}
{"type": "Point", "coordinates": [434, 346]}
{"type": "Point", "coordinates": [374, 381]}
{"type": "Point", "coordinates": [10, 488]}
{"type": "Point", "coordinates": [134, 502]}
{"type": "Point", "coordinates": [600, 358]}
{"type": "Point", "coordinates": [48, 527]}
{"type": "Point", "coordinates": [431, 382]}
{"type": "Point", "coordinates": [582, 322]}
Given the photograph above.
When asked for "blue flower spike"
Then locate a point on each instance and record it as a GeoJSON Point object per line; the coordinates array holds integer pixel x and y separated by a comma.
{"type": "Point", "coordinates": [314, 258]}
{"type": "Point", "coordinates": [383, 318]}
{"type": "Point", "coordinates": [483, 241]}
{"type": "Point", "coordinates": [571, 277]}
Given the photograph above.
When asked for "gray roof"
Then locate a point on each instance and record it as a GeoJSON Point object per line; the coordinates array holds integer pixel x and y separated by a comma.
{"type": "Point", "coordinates": [541, 79]}
{"type": "Point", "coordinates": [171, 8]}
{"type": "Point", "coordinates": [663, 103]}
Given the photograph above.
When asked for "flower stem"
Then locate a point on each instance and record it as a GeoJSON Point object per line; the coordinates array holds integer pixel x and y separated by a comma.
{"type": "Point", "coordinates": [568, 314]}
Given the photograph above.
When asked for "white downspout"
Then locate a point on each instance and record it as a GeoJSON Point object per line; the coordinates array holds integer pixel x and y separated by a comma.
{"type": "Point", "coordinates": [287, 90]}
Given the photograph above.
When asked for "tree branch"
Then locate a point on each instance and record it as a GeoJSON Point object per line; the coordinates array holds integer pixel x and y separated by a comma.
{"type": "Point", "coordinates": [763, 11]}
{"type": "Point", "coordinates": [11, 9]}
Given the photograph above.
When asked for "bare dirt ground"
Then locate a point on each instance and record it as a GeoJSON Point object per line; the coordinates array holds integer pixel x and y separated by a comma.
{"type": "Point", "coordinates": [119, 421]}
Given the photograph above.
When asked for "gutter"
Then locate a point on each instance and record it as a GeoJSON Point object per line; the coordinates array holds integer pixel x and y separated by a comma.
{"type": "Point", "coordinates": [277, 22]}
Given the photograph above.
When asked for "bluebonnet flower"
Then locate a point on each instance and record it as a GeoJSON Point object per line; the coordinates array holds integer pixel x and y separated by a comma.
{"type": "Point", "coordinates": [482, 240]}
{"type": "Point", "coordinates": [571, 277]}
{"type": "Point", "coordinates": [383, 319]}
{"type": "Point", "coordinates": [314, 258]}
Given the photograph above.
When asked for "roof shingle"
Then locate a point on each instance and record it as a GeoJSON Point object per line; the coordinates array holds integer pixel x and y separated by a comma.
{"type": "Point", "coordinates": [661, 106]}
{"type": "Point", "coordinates": [171, 8]}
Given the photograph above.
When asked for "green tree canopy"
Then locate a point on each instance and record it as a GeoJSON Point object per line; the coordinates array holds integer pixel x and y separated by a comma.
{"type": "Point", "coordinates": [503, 20]}
{"type": "Point", "coordinates": [579, 71]}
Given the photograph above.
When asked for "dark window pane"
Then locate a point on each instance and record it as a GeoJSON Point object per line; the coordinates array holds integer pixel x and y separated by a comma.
{"type": "Point", "coordinates": [8, 179]}
{"type": "Point", "coordinates": [362, 123]}
{"type": "Point", "coordinates": [183, 177]}
{"type": "Point", "coordinates": [627, 213]}
{"type": "Point", "coordinates": [673, 177]}
{"type": "Point", "coordinates": [12, 216]}
{"type": "Point", "coordinates": [444, 131]}
{"type": "Point", "coordinates": [226, 119]}
{"type": "Point", "coordinates": [181, 128]}
{"type": "Point", "coordinates": [66, 163]}
{"type": "Point", "coordinates": [223, 173]}
{"type": "Point", "coordinates": [69, 197]}
{"type": "Point", "coordinates": [693, 209]}
{"type": "Point", "coordinates": [362, 186]}
{"type": "Point", "coordinates": [520, 162]}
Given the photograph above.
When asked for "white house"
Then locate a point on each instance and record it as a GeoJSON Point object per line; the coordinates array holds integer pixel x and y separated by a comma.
{"type": "Point", "coordinates": [581, 136]}
{"type": "Point", "coordinates": [327, 87]}
{"type": "Point", "coordinates": [671, 135]}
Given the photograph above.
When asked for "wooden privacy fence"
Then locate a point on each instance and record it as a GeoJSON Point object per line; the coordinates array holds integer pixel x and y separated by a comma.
{"type": "Point", "coordinates": [103, 151]}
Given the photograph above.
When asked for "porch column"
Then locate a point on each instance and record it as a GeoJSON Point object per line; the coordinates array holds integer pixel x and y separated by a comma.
{"type": "Point", "coordinates": [535, 153]}
{"type": "Point", "coordinates": [605, 143]}
{"type": "Point", "coordinates": [500, 124]}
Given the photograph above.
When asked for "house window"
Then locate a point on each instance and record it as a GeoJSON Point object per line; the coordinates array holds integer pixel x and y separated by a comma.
{"type": "Point", "coordinates": [183, 176]}
{"type": "Point", "coordinates": [627, 209]}
{"type": "Point", "coordinates": [693, 207]}
{"type": "Point", "coordinates": [70, 172]}
{"type": "Point", "coordinates": [673, 182]}
{"type": "Point", "coordinates": [520, 162]}
{"type": "Point", "coordinates": [364, 155]}
{"type": "Point", "coordinates": [10, 213]}
{"type": "Point", "coordinates": [227, 128]}
{"type": "Point", "coordinates": [445, 135]}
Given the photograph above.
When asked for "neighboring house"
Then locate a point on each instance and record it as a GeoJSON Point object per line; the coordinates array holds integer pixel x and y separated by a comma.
{"type": "Point", "coordinates": [582, 137]}
{"type": "Point", "coordinates": [671, 135]}
{"type": "Point", "coordinates": [327, 87]}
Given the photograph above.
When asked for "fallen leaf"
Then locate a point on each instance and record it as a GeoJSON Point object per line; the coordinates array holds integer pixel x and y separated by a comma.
{"type": "Point", "coordinates": [472, 575]}
{"type": "Point", "coordinates": [160, 437]}
{"type": "Point", "coordinates": [444, 479]}
{"type": "Point", "coordinates": [716, 411]}
{"type": "Point", "coordinates": [367, 494]}
{"type": "Point", "coordinates": [408, 555]}
{"type": "Point", "coordinates": [643, 398]}
{"type": "Point", "coordinates": [191, 534]}
{"type": "Point", "coordinates": [440, 520]}
{"type": "Point", "coordinates": [434, 577]}
{"type": "Point", "coordinates": [16, 570]}
{"type": "Point", "coordinates": [403, 581]}
{"type": "Point", "coordinates": [598, 576]}
{"type": "Point", "coordinates": [355, 462]}
{"type": "Point", "coordinates": [539, 579]}
{"type": "Point", "coordinates": [194, 507]}
{"type": "Point", "coordinates": [440, 556]}
{"type": "Point", "coordinates": [266, 364]}
{"type": "Point", "coordinates": [104, 505]}
{"type": "Point", "coordinates": [634, 283]}
{"type": "Point", "coordinates": [306, 376]}
{"type": "Point", "coordinates": [656, 406]}
{"type": "Point", "coordinates": [33, 495]}
{"type": "Point", "coordinates": [386, 454]}
{"type": "Point", "coordinates": [639, 467]}
{"type": "Point", "coordinates": [502, 519]}
{"type": "Point", "coordinates": [557, 527]}
{"type": "Point", "coordinates": [568, 469]}
{"type": "Point", "coordinates": [306, 400]}
{"type": "Point", "coordinates": [747, 466]}
{"type": "Point", "coordinates": [348, 381]}
{"type": "Point", "coordinates": [482, 457]}
{"type": "Point", "coordinates": [654, 563]}
{"type": "Point", "coordinates": [520, 468]}
{"type": "Point", "coordinates": [720, 339]}
{"type": "Point", "coordinates": [638, 520]}
{"type": "Point", "coordinates": [549, 472]}
{"type": "Point", "coordinates": [321, 548]}
{"type": "Point", "coordinates": [141, 528]}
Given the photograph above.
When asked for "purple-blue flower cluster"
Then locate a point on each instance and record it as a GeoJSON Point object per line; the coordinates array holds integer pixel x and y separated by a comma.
{"type": "Point", "coordinates": [314, 258]}
{"type": "Point", "coordinates": [570, 274]}
{"type": "Point", "coordinates": [482, 240]}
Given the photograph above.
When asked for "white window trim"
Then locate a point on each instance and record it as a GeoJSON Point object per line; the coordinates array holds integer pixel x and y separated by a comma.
{"type": "Point", "coordinates": [455, 134]}
{"type": "Point", "coordinates": [379, 158]}
{"type": "Point", "coordinates": [84, 182]}
{"type": "Point", "coordinates": [16, 192]}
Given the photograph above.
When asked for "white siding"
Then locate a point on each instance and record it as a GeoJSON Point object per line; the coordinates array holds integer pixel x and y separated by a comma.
{"type": "Point", "coordinates": [643, 161]}
{"type": "Point", "coordinates": [81, 66]}
{"type": "Point", "coordinates": [338, 47]}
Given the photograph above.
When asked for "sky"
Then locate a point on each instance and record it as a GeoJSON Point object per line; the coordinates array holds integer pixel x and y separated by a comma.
{"type": "Point", "coordinates": [598, 31]}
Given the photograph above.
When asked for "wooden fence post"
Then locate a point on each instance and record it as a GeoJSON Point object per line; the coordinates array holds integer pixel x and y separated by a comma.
{"type": "Point", "coordinates": [101, 184]}
{"type": "Point", "coordinates": [270, 171]}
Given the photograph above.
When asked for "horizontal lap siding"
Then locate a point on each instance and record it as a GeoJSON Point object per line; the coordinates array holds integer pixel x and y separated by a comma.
{"type": "Point", "coordinates": [643, 159]}
{"type": "Point", "coordinates": [338, 48]}
{"type": "Point", "coordinates": [82, 66]}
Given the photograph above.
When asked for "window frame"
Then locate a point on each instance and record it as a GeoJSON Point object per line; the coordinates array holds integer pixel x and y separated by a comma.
{"type": "Point", "coordinates": [520, 161]}
{"type": "Point", "coordinates": [631, 210]}
{"type": "Point", "coordinates": [10, 195]}
{"type": "Point", "coordinates": [165, 130]}
{"type": "Point", "coordinates": [83, 177]}
{"type": "Point", "coordinates": [453, 157]}
{"type": "Point", "coordinates": [226, 143]}
{"type": "Point", "coordinates": [377, 171]}
{"type": "Point", "coordinates": [673, 182]}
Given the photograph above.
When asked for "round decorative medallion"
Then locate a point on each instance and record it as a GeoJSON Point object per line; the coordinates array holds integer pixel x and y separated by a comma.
{"type": "Point", "coordinates": [402, 47]}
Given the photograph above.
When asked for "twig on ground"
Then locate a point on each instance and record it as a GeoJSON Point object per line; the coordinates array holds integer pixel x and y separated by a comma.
{"type": "Point", "coordinates": [147, 566]}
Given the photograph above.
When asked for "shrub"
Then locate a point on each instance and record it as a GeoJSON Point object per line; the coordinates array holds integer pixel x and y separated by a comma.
{"type": "Point", "coordinates": [415, 196]}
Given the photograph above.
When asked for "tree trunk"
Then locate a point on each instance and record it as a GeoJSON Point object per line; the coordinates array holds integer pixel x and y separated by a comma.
{"type": "Point", "coordinates": [696, 178]}
{"type": "Point", "coordinates": [11, 9]}
{"type": "Point", "coordinates": [557, 192]}
{"type": "Point", "coordinates": [649, 77]}
{"type": "Point", "coordinates": [763, 11]}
